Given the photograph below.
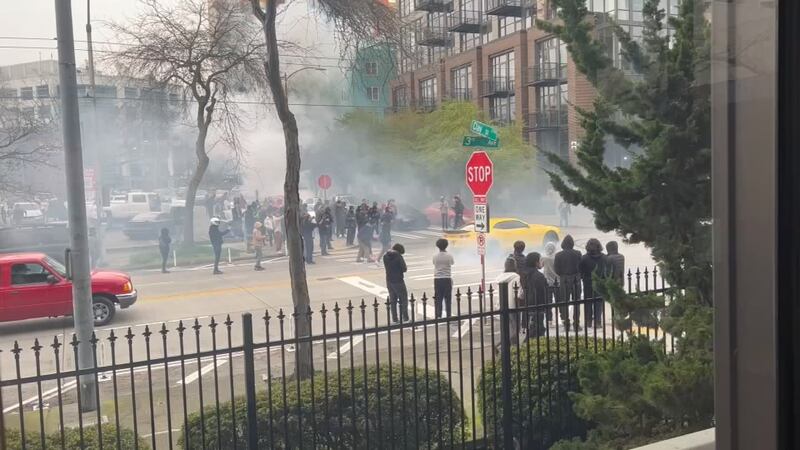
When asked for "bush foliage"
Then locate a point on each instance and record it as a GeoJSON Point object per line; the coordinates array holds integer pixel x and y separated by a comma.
{"type": "Point", "coordinates": [72, 439]}
{"type": "Point", "coordinates": [399, 408]}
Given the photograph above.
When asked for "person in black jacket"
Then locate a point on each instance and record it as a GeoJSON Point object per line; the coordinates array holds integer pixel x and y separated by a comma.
{"type": "Point", "coordinates": [594, 262]}
{"type": "Point", "coordinates": [339, 212]}
{"type": "Point", "coordinates": [216, 237]}
{"type": "Point", "coordinates": [519, 259]}
{"type": "Point", "coordinates": [458, 209]}
{"type": "Point", "coordinates": [535, 289]}
{"type": "Point", "coordinates": [395, 267]}
{"type": "Point", "coordinates": [164, 244]}
{"type": "Point", "coordinates": [350, 225]}
{"type": "Point", "coordinates": [325, 224]}
{"type": "Point", "coordinates": [307, 231]}
{"type": "Point", "coordinates": [566, 267]}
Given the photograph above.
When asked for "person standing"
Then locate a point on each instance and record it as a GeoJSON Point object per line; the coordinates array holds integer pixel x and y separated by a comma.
{"type": "Point", "coordinates": [216, 237]}
{"type": "Point", "coordinates": [269, 229]}
{"type": "Point", "coordinates": [442, 279]}
{"type": "Point", "coordinates": [535, 288]}
{"type": "Point", "coordinates": [519, 259]}
{"type": "Point", "coordinates": [374, 216]}
{"type": "Point", "coordinates": [339, 216]}
{"type": "Point", "coordinates": [364, 243]}
{"type": "Point", "coordinates": [325, 225]}
{"type": "Point", "coordinates": [564, 211]}
{"type": "Point", "coordinates": [350, 225]}
{"type": "Point", "coordinates": [444, 210]}
{"type": "Point", "coordinates": [458, 208]}
{"type": "Point", "coordinates": [249, 222]}
{"type": "Point", "coordinates": [307, 226]}
{"type": "Point", "coordinates": [593, 262]}
{"type": "Point", "coordinates": [164, 244]}
{"type": "Point", "coordinates": [277, 225]}
{"type": "Point", "coordinates": [616, 262]}
{"type": "Point", "coordinates": [386, 230]}
{"type": "Point", "coordinates": [3, 214]}
{"type": "Point", "coordinates": [548, 268]}
{"type": "Point", "coordinates": [259, 240]}
{"type": "Point", "coordinates": [566, 267]}
{"type": "Point", "coordinates": [395, 267]}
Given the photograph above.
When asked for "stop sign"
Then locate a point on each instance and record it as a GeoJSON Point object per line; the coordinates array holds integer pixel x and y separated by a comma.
{"type": "Point", "coordinates": [480, 173]}
{"type": "Point", "coordinates": [324, 182]}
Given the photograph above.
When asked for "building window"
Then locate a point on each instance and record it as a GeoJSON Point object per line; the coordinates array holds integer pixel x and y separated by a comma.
{"type": "Point", "coordinates": [43, 91]}
{"type": "Point", "coordinates": [400, 96]}
{"type": "Point", "coordinates": [509, 25]}
{"type": "Point", "coordinates": [373, 93]}
{"type": "Point", "coordinates": [462, 83]}
{"type": "Point", "coordinates": [26, 93]}
{"type": "Point", "coordinates": [371, 68]}
{"type": "Point", "coordinates": [428, 92]}
{"type": "Point", "coordinates": [503, 109]}
{"type": "Point", "coordinates": [502, 68]}
{"type": "Point", "coordinates": [550, 98]}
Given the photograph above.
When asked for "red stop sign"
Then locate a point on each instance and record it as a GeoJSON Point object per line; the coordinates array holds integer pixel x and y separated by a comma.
{"type": "Point", "coordinates": [480, 173]}
{"type": "Point", "coordinates": [324, 182]}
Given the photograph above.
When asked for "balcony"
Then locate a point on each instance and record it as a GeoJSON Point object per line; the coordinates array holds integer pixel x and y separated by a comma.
{"type": "Point", "coordinates": [465, 22]}
{"type": "Point", "coordinates": [432, 36]}
{"type": "Point", "coordinates": [497, 87]}
{"type": "Point", "coordinates": [433, 5]}
{"type": "Point", "coordinates": [460, 95]}
{"type": "Point", "coordinates": [549, 119]}
{"type": "Point", "coordinates": [426, 104]}
{"type": "Point", "coordinates": [549, 74]}
{"type": "Point", "coordinates": [507, 8]}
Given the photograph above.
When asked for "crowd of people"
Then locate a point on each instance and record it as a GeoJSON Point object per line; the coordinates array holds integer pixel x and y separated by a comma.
{"type": "Point", "coordinates": [458, 213]}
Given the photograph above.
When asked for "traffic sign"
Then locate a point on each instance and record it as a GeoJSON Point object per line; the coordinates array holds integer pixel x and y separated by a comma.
{"type": "Point", "coordinates": [481, 244]}
{"type": "Point", "coordinates": [481, 214]}
{"type": "Point", "coordinates": [480, 173]}
{"type": "Point", "coordinates": [484, 130]}
{"type": "Point", "coordinates": [324, 182]}
{"type": "Point", "coordinates": [474, 141]}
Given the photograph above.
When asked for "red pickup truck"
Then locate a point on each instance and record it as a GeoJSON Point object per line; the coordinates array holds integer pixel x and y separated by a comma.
{"type": "Point", "coordinates": [33, 285]}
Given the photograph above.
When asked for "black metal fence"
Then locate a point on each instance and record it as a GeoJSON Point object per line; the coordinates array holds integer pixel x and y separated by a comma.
{"type": "Point", "coordinates": [494, 372]}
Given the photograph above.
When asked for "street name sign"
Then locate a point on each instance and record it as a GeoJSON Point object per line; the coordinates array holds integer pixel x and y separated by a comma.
{"type": "Point", "coordinates": [475, 141]}
{"type": "Point", "coordinates": [484, 130]}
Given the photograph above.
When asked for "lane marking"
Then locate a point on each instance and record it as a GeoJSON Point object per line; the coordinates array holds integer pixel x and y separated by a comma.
{"type": "Point", "coordinates": [45, 395]}
{"type": "Point", "coordinates": [406, 236]}
{"type": "Point", "coordinates": [194, 376]}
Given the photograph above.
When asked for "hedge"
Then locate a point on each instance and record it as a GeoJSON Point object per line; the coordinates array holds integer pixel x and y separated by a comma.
{"type": "Point", "coordinates": [430, 412]}
{"type": "Point", "coordinates": [543, 411]}
{"type": "Point", "coordinates": [72, 439]}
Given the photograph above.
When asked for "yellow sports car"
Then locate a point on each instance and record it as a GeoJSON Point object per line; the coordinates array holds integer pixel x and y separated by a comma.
{"type": "Point", "coordinates": [505, 231]}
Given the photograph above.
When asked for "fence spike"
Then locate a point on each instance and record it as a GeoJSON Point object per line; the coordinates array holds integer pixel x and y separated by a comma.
{"type": "Point", "coordinates": [36, 347]}
{"type": "Point", "coordinates": [213, 324]}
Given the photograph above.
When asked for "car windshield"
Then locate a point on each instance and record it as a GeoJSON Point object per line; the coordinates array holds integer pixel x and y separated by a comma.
{"type": "Point", "coordinates": [57, 266]}
{"type": "Point", "coordinates": [28, 206]}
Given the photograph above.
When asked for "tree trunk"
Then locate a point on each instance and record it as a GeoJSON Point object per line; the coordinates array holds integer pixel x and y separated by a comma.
{"type": "Point", "coordinates": [291, 187]}
{"type": "Point", "coordinates": [203, 122]}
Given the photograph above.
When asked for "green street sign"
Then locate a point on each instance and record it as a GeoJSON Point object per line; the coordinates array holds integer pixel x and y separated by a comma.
{"type": "Point", "coordinates": [474, 141]}
{"type": "Point", "coordinates": [484, 130]}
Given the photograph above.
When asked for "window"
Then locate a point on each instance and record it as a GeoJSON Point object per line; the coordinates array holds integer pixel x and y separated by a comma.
{"type": "Point", "coordinates": [43, 91]}
{"type": "Point", "coordinates": [138, 198]}
{"type": "Point", "coordinates": [462, 83]}
{"type": "Point", "coordinates": [510, 225]}
{"type": "Point", "coordinates": [31, 273]}
{"type": "Point", "coordinates": [371, 68]}
{"type": "Point", "coordinates": [400, 96]}
{"type": "Point", "coordinates": [427, 91]}
{"type": "Point", "coordinates": [105, 91]}
{"type": "Point", "coordinates": [503, 109]}
{"type": "Point", "coordinates": [26, 93]}
{"type": "Point", "coordinates": [373, 93]}
{"type": "Point", "coordinates": [509, 25]}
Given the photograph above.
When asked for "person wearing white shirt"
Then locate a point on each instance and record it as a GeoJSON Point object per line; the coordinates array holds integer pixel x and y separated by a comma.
{"type": "Point", "coordinates": [442, 279]}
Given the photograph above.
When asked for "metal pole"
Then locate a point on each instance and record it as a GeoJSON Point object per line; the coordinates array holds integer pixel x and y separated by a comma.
{"type": "Point", "coordinates": [505, 364]}
{"type": "Point", "coordinates": [483, 273]}
{"type": "Point", "coordinates": [76, 199]}
{"type": "Point", "coordinates": [2, 416]}
{"type": "Point", "coordinates": [250, 381]}
{"type": "Point", "coordinates": [99, 232]}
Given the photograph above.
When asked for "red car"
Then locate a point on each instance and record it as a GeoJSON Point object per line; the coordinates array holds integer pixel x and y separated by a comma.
{"type": "Point", "coordinates": [435, 216]}
{"type": "Point", "coordinates": [33, 285]}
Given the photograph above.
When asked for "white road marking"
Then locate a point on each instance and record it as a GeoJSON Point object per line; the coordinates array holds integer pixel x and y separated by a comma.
{"type": "Point", "coordinates": [346, 347]}
{"type": "Point", "coordinates": [430, 232]}
{"type": "Point", "coordinates": [45, 395]}
{"type": "Point", "coordinates": [366, 286]}
{"type": "Point", "coordinates": [194, 376]}
{"type": "Point", "coordinates": [406, 236]}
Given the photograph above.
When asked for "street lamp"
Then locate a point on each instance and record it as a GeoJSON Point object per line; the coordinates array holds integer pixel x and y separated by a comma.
{"type": "Point", "coordinates": [287, 77]}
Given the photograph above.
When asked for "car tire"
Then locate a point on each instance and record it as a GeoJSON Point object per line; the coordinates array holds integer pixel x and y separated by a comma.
{"type": "Point", "coordinates": [103, 310]}
{"type": "Point", "coordinates": [550, 236]}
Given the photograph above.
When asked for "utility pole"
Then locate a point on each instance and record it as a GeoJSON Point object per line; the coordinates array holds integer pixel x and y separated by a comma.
{"type": "Point", "coordinates": [76, 201]}
{"type": "Point", "coordinates": [99, 232]}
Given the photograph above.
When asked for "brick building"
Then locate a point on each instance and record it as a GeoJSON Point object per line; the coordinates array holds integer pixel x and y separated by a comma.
{"type": "Point", "coordinates": [491, 53]}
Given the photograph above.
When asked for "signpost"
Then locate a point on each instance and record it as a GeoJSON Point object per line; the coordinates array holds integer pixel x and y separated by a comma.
{"type": "Point", "coordinates": [480, 177]}
{"type": "Point", "coordinates": [481, 129]}
{"type": "Point", "coordinates": [476, 141]}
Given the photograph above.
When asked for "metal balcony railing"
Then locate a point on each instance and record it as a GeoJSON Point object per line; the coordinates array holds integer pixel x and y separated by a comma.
{"type": "Point", "coordinates": [432, 36]}
{"type": "Point", "coordinates": [508, 8]}
{"type": "Point", "coordinates": [433, 5]}
{"type": "Point", "coordinates": [548, 119]}
{"type": "Point", "coordinates": [497, 87]}
{"type": "Point", "coordinates": [546, 74]}
{"type": "Point", "coordinates": [460, 95]}
{"type": "Point", "coordinates": [465, 21]}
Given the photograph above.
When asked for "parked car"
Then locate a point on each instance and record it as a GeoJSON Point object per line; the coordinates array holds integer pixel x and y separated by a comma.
{"type": "Point", "coordinates": [147, 226]}
{"type": "Point", "coordinates": [34, 285]}
{"type": "Point", "coordinates": [505, 231]}
{"type": "Point", "coordinates": [31, 212]}
{"type": "Point", "coordinates": [410, 218]}
{"type": "Point", "coordinates": [435, 216]}
{"type": "Point", "coordinates": [134, 203]}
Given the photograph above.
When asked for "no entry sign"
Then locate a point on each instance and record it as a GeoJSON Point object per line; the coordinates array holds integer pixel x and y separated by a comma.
{"type": "Point", "coordinates": [324, 182]}
{"type": "Point", "coordinates": [480, 173]}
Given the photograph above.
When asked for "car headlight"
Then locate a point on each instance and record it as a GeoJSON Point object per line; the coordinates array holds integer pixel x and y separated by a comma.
{"type": "Point", "coordinates": [127, 288]}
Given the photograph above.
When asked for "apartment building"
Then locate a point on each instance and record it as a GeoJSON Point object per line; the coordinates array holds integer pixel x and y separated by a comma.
{"type": "Point", "coordinates": [491, 53]}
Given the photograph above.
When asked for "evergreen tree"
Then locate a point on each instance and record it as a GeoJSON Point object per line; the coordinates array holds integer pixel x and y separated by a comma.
{"type": "Point", "coordinates": [659, 109]}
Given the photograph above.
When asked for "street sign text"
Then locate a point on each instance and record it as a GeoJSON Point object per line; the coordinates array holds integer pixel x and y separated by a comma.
{"type": "Point", "coordinates": [484, 130]}
{"type": "Point", "coordinates": [475, 141]}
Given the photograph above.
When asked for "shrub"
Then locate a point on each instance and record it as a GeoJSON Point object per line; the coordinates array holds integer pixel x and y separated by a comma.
{"type": "Point", "coordinates": [72, 439]}
{"type": "Point", "coordinates": [544, 372]}
{"type": "Point", "coordinates": [344, 421]}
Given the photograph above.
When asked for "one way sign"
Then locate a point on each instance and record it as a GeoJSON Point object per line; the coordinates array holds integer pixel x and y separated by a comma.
{"type": "Point", "coordinates": [481, 214]}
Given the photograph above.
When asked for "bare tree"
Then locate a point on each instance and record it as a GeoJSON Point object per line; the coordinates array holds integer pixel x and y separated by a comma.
{"type": "Point", "coordinates": [354, 21]}
{"type": "Point", "coordinates": [208, 48]}
{"type": "Point", "coordinates": [24, 139]}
